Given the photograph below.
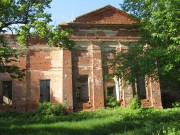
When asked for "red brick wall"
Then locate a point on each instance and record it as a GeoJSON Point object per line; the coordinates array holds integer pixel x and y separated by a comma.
{"type": "Point", "coordinates": [67, 79]}
{"type": "Point", "coordinates": [81, 65]}
{"type": "Point", "coordinates": [97, 72]}
{"type": "Point", "coordinates": [107, 15]}
{"type": "Point", "coordinates": [40, 65]}
{"type": "Point", "coordinates": [94, 35]}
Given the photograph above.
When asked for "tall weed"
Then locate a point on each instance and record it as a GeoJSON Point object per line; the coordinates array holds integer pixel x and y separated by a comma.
{"type": "Point", "coordinates": [176, 105]}
{"type": "Point", "coordinates": [48, 108]}
{"type": "Point", "coordinates": [111, 102]}
{"type": "Point", "coordinates": [135, 103]}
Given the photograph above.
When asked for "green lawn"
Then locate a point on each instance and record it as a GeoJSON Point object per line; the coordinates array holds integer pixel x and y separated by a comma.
{"type": "Point", "coordinates": [100, 122]}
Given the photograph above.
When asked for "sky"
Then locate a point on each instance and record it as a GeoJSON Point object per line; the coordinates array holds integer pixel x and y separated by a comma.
{"type": "Point", "coordinates": [68, 10]}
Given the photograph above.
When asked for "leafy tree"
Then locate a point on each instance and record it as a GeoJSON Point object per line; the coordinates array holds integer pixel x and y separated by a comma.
{"type": "Point", "coordinates": [27, 19]}
{"type": "Point", "coordinates": [8, 57]}
{"type": "Point", "coordinates": [157, 54]}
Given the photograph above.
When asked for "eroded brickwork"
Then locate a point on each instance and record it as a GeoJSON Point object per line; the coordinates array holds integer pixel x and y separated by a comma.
{"type": "Point", "coordinates": [81, 70]}
{"type": "Point", "coordinates": [41, 65]}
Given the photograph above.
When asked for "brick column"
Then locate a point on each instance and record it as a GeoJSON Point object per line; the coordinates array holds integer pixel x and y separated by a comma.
{"type": "Point", "coordinates": [155, 93]}
{"type": "Point", "coordinates": [97, 78]}
{"type": "Point", "coordinates": [28, 78]}
{"type": "Point", "coordinates": [67, 79]}
{"type": "Point", "coordinates": [127, 95]}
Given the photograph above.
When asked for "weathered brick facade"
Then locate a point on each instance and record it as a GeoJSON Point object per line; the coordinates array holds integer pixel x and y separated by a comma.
{"type": "Point", "coordinates": [77, 77]}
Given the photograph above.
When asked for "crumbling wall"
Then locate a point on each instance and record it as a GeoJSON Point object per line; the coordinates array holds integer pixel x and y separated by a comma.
{"type": "Point", "coordinates": [41, 63]}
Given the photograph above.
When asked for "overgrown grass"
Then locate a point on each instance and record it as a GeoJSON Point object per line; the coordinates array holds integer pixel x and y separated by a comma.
{"type": "Point", "coordinates": [101, 122]}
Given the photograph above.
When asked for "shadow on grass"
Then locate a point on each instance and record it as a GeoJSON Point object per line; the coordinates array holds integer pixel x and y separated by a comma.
{"type": "Point", "coordinates": [87, 123]}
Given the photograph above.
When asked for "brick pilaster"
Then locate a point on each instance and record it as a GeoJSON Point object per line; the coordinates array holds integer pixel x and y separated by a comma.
{"type": "Point", "coordinates": [67, 79]}
{"type": "Point", "coordinates": [155, 93]}
{"type": "Point", "coordinates": [97, 78]}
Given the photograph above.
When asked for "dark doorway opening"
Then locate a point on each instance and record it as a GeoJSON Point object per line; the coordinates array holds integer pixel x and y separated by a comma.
{"type": "Point", "coordinates": [141, 88]}
{"type": "Point", "coordinates": [44, 91]}
{"type": "Point", "coordinates": [7, 92]}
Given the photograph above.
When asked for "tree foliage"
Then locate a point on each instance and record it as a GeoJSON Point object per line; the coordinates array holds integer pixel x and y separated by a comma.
{"type": "Point", "coordinates": [27, 19]}
{"type": "Point", "coordinates": [158, 52]}
{"type": "Point", "coordinates": [8, 58]}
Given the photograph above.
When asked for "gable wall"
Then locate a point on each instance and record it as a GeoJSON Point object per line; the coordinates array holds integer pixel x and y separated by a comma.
{"type": "Point", "coordinates": [106, 15]}
{"type": "Point", "coordinates": [85, 62]}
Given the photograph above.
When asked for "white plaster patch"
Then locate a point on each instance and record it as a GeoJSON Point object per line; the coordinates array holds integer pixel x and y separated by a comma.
{"type": "Point", "coordinates": [56, 59]}
{"type": "Point", "coordinates": [108, 33]}
{"type": "Point", "coordinates": [97, 82]}
{"type": "Point", "coordinates": [47, 57]}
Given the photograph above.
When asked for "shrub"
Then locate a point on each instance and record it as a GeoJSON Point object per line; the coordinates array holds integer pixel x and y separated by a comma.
{"type": "Point", "coordinates": [135, 103]}
{"type": "Point", "coordinates": [176, 105]}
{"type": "Point", "coordinates": [111, 102]}
{"type": "Point", "coordinates": [9, 114]}
{"type": "Point", "coordinates": [166, 130]}
{"type": "Point", "coordinates": [48, 108]}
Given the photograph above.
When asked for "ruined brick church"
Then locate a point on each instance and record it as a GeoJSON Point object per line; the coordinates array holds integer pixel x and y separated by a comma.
{"type": "Point", "coordinates": [77, 77]}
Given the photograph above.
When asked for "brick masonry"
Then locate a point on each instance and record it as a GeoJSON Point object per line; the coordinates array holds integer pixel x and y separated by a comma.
{"type": "Point", "coordinates": [96, 38]}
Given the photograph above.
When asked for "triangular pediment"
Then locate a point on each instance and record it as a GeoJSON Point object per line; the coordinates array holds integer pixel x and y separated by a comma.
{"type": "Point", "coordinates": [106, 15]}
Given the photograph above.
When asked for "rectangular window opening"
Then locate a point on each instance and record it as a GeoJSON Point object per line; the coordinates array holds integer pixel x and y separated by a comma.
{"type": "Point", "coordinates": [7, 92]}
{"type": "Point", "coordinates": [141, 89]}
{"type": "Point", "coordinates": [44, 91]}
{"type": "Point", "coordinates": [82, 90]}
